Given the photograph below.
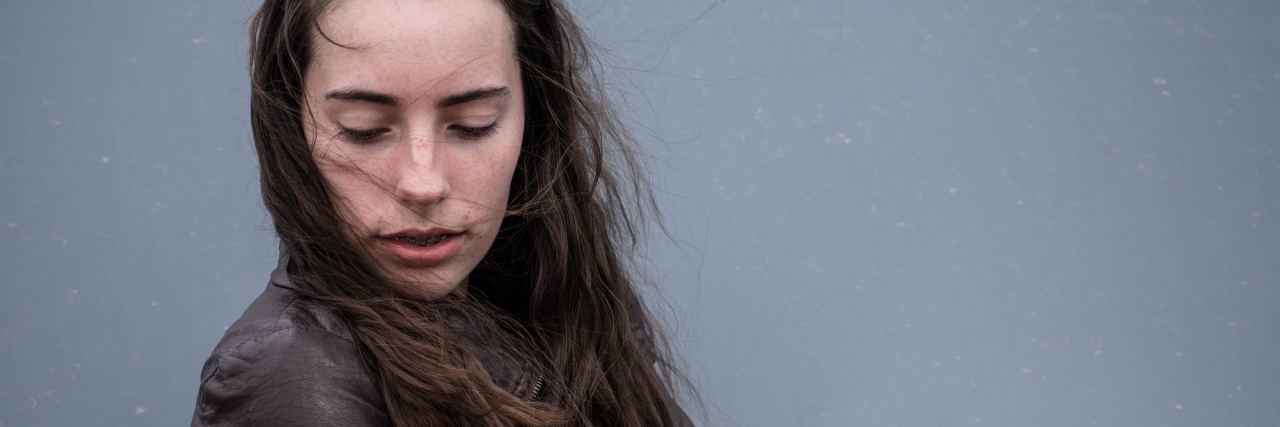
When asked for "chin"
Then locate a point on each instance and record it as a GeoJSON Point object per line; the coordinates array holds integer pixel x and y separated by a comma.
{"type": "Point", "coordinates": [428, 285]}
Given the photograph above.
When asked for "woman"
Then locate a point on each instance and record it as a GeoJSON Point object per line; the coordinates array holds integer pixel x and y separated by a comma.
{"type": "Point", "coordinates": [454, 203]}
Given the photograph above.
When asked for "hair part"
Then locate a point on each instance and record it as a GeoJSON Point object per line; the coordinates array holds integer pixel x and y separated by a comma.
{"type": "Point", "coordinates": [557, 285]}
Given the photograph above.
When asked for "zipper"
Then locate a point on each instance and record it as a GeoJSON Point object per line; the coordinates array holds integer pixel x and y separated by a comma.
{"type": "Point", "coordinates": [537, 388]}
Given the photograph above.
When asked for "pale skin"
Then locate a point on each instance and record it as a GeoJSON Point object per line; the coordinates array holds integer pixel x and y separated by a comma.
{"type": "Point", "coordinates": [417, 127]}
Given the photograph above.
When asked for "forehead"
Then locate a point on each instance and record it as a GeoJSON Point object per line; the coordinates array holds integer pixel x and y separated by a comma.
{"type": "Point", "coordinates": [402, 44]}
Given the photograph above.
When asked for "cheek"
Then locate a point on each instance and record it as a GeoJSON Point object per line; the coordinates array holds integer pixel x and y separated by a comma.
{"type": "Point", "coordinates": [498, 177]}
{"type": "Point", "coordinates": [339, 174]}
{"type": "Point", "coordinates": [351, 170]}
{"type": "Point", "coordinates": [353, 184]}
{"type": "Point", "coordinates": [483, 173]}
{"type": "Point", "coordinates": [346, 192]}
{"type": "Point", "coordinates": [486, 183]}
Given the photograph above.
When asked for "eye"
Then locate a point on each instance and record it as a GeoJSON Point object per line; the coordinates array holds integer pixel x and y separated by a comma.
{"type": "Point", "coordinates": [469, 132]}
{"type": "Point", "coordinates": [361, 135]}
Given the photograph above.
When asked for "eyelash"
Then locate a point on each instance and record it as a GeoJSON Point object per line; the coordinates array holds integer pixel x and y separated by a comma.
{"type": "Point", "coordinates": [361, 135]}
{"type": "Point", "coordinates": [368, 135]}
{"type": "Point", "coordinates": [468, 132]}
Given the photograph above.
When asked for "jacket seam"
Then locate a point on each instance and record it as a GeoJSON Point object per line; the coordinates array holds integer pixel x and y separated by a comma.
{"type": "Point", "coordinates": [291, 305]}
{"type": "Point", "coordinates": [276, 327]}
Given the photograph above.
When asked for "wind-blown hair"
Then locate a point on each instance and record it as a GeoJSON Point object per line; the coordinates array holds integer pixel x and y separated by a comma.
{"type": "Point", "coordinates": [556, 285]}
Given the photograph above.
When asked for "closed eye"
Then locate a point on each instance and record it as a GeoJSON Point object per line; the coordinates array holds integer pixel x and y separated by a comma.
{"type": "Point", "coordinates": [469, 132]}
{"type": "Point", "coordinates": [361, 135]}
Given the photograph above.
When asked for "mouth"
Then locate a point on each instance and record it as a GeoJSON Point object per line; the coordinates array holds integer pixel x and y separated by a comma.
{"type": "Point", "coordinates": [417, 248]}
{"type": "Point", "coordinates": [424, 241]}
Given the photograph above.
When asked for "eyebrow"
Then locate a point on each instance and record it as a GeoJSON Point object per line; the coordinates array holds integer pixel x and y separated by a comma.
{"type": "Point", "coordinates": [355, 95]}
{"type": "Point", "coordinates": [473, 95]}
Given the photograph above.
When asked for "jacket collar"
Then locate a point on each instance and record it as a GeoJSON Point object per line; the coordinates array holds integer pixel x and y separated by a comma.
{"type": "Point", "coordinates": [280, 276]}
{"type": "Point", "coordinates": [519, 382]}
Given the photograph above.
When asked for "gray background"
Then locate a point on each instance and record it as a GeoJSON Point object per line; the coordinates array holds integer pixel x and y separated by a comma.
{"type": "Point", "coordinates": [950, 212]}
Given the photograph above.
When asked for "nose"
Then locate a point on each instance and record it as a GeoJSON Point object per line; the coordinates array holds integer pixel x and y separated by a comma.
{"type": "Point", "coordinates": [422, 180]}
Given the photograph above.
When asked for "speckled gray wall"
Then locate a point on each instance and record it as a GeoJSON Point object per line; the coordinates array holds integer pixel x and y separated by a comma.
{"type": "Point", "coordinates": [924, 213]}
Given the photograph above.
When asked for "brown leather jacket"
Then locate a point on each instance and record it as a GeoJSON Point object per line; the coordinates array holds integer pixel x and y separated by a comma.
{"type": "Point", "coordinates": [291, 361]}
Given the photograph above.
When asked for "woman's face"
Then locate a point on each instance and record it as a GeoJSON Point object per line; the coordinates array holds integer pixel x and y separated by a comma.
{"type": "Point", "coordinates": [416, 125]}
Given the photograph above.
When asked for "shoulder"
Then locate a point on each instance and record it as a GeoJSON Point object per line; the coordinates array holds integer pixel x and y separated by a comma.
{"type": "Point", "coordinates": [288, 360]}
{"type": "Point", "coordinates": [280, 307]}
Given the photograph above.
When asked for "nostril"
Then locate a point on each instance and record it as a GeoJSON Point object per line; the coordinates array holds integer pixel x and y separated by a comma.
{"type": "Point", "coordinates": [422, 189]}
{"type": "Point", "coordinates": [422, 176]}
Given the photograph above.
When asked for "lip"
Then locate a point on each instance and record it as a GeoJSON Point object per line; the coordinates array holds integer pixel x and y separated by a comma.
{"type": "Point", "coordinates": [411, 255]}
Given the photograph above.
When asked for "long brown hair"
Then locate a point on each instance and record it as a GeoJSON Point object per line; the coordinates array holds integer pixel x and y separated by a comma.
{"type": "Point", "coordinates": [557, 282]}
